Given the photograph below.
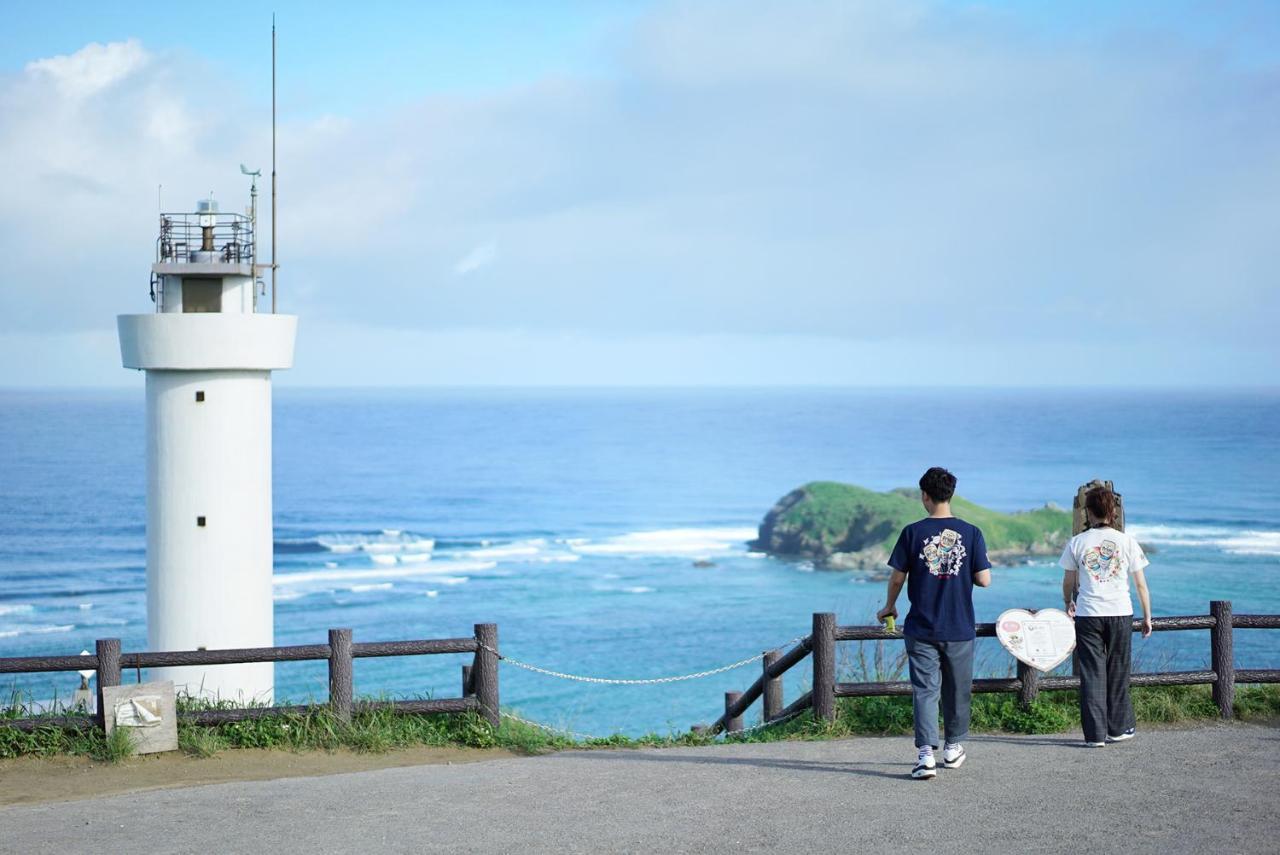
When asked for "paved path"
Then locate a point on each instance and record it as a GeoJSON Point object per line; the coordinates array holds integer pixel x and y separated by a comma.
{"type": "Point", "coordinates": [1208, 789]}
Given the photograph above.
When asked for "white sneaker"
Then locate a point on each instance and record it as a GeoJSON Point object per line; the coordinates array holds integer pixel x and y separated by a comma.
{"type": "Point", "coordinates": [1128, 734]}
{"type": "Point", "coordinates": [952, 755]}
{"type": "Point", "coordinates": [926, 767]}
{"type": "Point", "coordinates": [1095, 744]}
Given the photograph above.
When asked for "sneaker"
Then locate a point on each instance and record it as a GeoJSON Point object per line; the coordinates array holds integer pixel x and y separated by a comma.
{"type": "Point", "coordinates": [1095, 744]}
{"type": "Point", "coordinates": [1128, 734]}
{"type": "Point", "coordinates": [952, 755]}
{"type": "Point", "coordinates": [926, 766]}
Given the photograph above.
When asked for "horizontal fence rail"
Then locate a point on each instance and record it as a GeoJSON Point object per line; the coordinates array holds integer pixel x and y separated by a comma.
{"type": "Point", "coordinates": [820, 645]}
{"type": "Point", "coordinates": [479, 679]}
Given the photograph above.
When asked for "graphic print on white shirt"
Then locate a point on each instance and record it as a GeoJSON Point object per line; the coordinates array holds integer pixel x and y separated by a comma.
{"type": "Point", "coordinates": [1105, 558]}
{"type": "Point", "coordinates": [1105, 561]}
{"type": "Point", "coordinates": [944, 553]}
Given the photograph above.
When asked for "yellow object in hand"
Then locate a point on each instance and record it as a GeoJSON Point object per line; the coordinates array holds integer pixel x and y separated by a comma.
{"type": "Point", "coordinates": [889, 624]}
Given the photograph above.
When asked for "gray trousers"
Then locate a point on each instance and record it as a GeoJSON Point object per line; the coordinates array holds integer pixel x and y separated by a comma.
{"type": "Point", "coordinates": [1103, 646]}
{"type": "Point", "coordinates": [944, 667]}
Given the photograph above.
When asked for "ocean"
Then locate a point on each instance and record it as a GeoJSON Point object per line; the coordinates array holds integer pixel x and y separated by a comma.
{"type": "Point", "coordinates": [573, 519]}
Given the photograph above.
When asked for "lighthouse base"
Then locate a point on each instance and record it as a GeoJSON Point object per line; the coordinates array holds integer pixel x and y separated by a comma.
{"type": "Point", "coordinates": [209, 532]}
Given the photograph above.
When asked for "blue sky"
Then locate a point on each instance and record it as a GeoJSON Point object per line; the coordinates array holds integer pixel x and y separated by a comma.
{"type": "Point", "coordinates": [674, 193]}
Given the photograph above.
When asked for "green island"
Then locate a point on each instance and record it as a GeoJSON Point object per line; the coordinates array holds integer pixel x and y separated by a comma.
{"type": "Point", "coordinates": [847, 527]}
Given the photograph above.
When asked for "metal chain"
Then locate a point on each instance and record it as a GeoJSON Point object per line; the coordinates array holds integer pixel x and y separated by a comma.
{"type": "Point", "coordinates": [589, 737]}
{"type": "Point", "coordinates": [609, 681]}
{"type": "Point", "coordinates": [762, 725]}
{"type": "Point", "coordinates": [556, 730]}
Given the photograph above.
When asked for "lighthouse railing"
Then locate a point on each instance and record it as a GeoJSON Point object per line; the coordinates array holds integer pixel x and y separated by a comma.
{"type": "Point", "coordinates": [182, 237]}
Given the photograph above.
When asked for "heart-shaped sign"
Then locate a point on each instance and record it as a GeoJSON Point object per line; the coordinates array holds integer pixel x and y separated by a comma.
{"type": "Point", "coordinates": [1042, 639]}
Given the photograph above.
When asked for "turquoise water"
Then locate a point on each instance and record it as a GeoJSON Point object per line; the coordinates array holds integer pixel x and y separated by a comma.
{"type": "Point", "coordinates": [573, 520]}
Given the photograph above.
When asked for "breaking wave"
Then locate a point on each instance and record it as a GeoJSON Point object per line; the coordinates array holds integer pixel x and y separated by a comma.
{"type": "Point", "coordinates": [675, 542]}
{"type": "Point", "coordinates": [1228, 540]}
{"type": "Point", "coordinates": [384, 541]}
{"type": "Point", "coordinates": [36, 630]}
{"type": "Point", "coordinates": [433, 568]}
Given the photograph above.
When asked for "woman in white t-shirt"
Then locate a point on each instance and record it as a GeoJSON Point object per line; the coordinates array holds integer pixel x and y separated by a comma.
{"type": "Point", "coordinates": [1099, 564]}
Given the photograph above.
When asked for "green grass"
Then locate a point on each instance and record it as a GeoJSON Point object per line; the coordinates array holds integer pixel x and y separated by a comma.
{"type": "Point", "coordinates": [380, 730]}
{"type": "Point", "coordinates": [1052, 712]}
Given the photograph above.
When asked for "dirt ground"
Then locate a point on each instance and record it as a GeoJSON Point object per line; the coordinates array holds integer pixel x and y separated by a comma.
{"type": "Point", "coordinates": [31, 780]}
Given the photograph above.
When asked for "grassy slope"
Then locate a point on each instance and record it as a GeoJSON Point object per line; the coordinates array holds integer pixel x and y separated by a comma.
{"type": "Point", "coordinates": [1053, 712]}
{"type": "Point", "coordinates": [832, 508]}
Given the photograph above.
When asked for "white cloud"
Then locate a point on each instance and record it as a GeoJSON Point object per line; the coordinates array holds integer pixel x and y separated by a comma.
{"type": "Point", "coordinates": [482, 256]}
{"type": "Point", "coordinates": [867, 171]}
{"type": "Point", "coordinates": [91, 69]}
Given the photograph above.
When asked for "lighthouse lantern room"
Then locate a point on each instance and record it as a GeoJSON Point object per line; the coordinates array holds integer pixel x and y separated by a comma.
{"type": "Point", "coordinates": [208, 355]}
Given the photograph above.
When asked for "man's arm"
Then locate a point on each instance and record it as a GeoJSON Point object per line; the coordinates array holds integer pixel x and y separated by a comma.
{"type": "Point", "coordinates": [1069, 592]}
{"type": "Point", "coordinates": [1144, 597]}
{"type": "Point", "coordinates": [982, 578]}
{"type": "Point", "coordinates": [896, 580]}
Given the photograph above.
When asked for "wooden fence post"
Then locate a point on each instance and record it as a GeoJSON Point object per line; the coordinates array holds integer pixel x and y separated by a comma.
{"type": "Point", "coordinates": [824, 666]}
{"type": "Point", "coordinates": [108, 650]}
{"type": "Point", "coordinates": [1029, 687]}
{"type": "Point", "coordinates": [466, 682]}
{"type": "Point", "coordinates": [732, 725]}
{"type": "Point", "coordinates": [484, 672]}
{"type": "Point", "coordinates": [340, 676]}
{"type": "Point", "coordinates": [772, 688]}
{"type": "Point", "coordinates": [1222, 654]}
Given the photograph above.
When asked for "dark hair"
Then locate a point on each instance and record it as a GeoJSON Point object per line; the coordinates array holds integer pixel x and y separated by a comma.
{"type": "Point", "coordinates": [1101, 502]}
{"type": "Point", "coordinates": [939, 484]}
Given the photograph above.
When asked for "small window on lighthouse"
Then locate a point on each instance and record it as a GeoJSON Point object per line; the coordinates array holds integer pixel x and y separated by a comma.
{"type": "Point", "coordinates": [200, 397]}
{"type": "Point", "coordinates": [201, 295]}
{"type": "Point", "coordinates": [200, 521]}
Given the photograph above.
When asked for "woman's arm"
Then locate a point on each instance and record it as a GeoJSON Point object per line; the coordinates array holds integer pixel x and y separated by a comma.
{"type": "Point", "coordinates": [1144, 597]}
{"type": "Point", "coordinates": [1069, 592]}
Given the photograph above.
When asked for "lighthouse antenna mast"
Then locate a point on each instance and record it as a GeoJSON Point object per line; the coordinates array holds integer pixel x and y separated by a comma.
{"type": "Point", "coordinates": [274, 265]}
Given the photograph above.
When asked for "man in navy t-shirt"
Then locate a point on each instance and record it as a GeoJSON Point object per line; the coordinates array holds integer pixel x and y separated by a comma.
{"type": "Point", "coordinates": [940, 559]}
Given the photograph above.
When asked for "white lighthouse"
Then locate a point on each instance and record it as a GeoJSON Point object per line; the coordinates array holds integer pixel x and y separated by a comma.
{"type": "Point", "coordinates": [209, 354]}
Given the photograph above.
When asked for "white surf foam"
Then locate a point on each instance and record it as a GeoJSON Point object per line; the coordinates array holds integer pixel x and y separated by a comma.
{"type": "Point", "coordinates": [1231, 541]}
{"type": "Point", "coordinates": [375, 586]}
{"type": "Point", "coordinates": [389, 540]}
{"type": "Point", "coordinates": [514, 550]}
{"type": "Point", "coordinates": [434, 568]}
{"type": "Point", "coordinates": [16, 609]}
{"type": "Point", "coordinates": [691, 542]}
{"type": "Point", "coordinates": [36, 630]}
{"type": "Point", "coordinates": [533, 551]}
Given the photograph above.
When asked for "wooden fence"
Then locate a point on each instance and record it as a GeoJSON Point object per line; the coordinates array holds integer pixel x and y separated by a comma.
{"type": "Point", "coordinates": [821, 645]}
{"type": "Point", "coordinates": [479, 679]}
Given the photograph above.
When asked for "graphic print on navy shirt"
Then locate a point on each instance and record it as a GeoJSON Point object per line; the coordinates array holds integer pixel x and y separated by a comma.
{"type": "Point", "coordinates": [944, 553]}
{"type": "Point", "coordinates": [940, 557]}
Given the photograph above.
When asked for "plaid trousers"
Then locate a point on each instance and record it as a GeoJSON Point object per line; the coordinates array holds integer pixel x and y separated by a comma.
{"type": "Point", "coordinates": [1103, 646]}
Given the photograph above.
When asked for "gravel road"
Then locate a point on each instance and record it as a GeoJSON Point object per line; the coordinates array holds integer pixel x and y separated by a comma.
{"type": "Point", "coordinates": [1211, 788]}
